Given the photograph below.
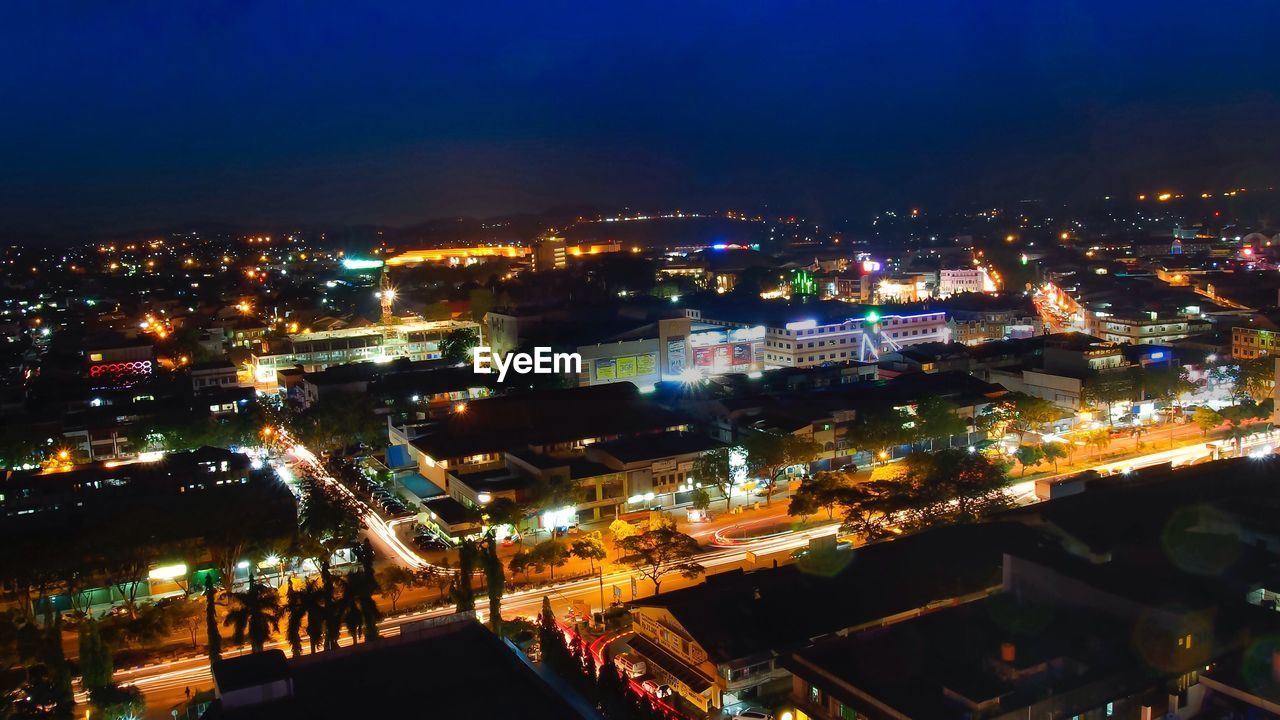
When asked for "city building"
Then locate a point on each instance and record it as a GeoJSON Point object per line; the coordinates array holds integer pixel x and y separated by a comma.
{"type": "Point", "coordinates": [720, 643]}
{"type": "Point", "coordinates": [812, 334]}
{"type": "Point", "coordinates": [412, 339]}
{"type": "Point", "coordinates": [549, 254]}
{"type": "Point", "coordinates": [506, 446]}
{"type": "Point", "coordinates": [1258, 338]}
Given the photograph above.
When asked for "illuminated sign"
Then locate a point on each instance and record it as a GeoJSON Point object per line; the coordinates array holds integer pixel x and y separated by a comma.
{"type": "Point", "coordinates": [360, 264]}
{"type": "Point", "coordinates": [627, 367]}
{"type": "Point", "coordinates": [870, 266]}
{"type": "Point", "coordinates": [646, 364]}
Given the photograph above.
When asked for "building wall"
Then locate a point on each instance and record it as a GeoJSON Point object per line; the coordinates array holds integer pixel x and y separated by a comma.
{"type": "Point", "coordinates": [1248, 343]}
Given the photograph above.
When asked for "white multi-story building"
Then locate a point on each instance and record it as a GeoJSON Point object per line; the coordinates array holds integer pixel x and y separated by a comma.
{"type": "Point", "coordinates": [808, 343]}
{"type": "Point", "coordinates": [964, 280]}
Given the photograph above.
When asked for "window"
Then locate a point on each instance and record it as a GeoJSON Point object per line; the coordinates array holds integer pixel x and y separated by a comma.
{"type": "Point", "coordinates": [815, 695]}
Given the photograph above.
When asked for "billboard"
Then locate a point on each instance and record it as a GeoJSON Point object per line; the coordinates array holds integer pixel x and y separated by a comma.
{"type": "Point", "coordinates": [742, 353]}
{"type": "Point", "coordinates": [646, 364]}
{"type": "Point", "coordinates": [627, 367]}
{"type": "Point", "coordinates": [702, 357]}
{"type": "Point", "coordinates": [606, 369]}
{"type": "Point", "coordinates": [675, 355]}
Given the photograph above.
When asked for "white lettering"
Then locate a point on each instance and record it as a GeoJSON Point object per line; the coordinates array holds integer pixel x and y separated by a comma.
{"type": "Point", "coordinates": [504, 362]}
{"type": "Point", "coordinates": [572, 363]}
{"type": "Point", "coordinates": [541, 362]}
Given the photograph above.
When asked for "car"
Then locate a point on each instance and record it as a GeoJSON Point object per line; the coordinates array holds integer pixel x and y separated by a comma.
{"type": "Point", "coordinates": [651, 686]}
{"type": "Point", "coordinates": [751, 714]}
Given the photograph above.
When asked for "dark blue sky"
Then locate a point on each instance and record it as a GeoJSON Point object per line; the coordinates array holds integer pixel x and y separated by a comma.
{"type": "Point", "coordinates": [122, 115]}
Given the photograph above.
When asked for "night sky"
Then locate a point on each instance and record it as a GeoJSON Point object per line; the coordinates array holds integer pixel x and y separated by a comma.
{"type": "Point", "coordinates": [121, 115]}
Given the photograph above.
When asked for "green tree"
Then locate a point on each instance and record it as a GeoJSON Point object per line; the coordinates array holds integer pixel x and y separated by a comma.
{"type": "Point", "coordinates": [463, 594]}
{"type": "Point", "coordinates": [823, 491]}
{"type": "Point", "coordinates": [495, 582]}
{"type": "Point", "coordinates": [1019, 413]}
{"type": "Point", "coordinates": [211, 619]}
{"type": "Point", "coordinates": [1029, 455]}
{"type": "Point", "coordinates": [1206, 418]}
{"type": "Point", "coordinates": [1252, 379]}
{"type": "Point", "coordinates": [254, 613]}
{"type": "Point", "coordinates": [701, 499]}
{"type": "Point", "coordinates": [394, 579]}
{"type": "Point", "coordinates": [880, 429]}
{"type": "Point", "coordinates": [661, 552]}
{"type": "Point", "coordinates": [712, 469]}
{"type": "Point", "coordinates": [455, 347]}
{"type": "Point", "coordinates": [1053, 452]}
{"type": "Point", "coordinates": [551, 553]}
{"type": "Point", "coordinates": [769, 453]}
{"type": "Point", "coordinates": [590, 547]}
{"type": "Point", "coordinates": [117, 703]}
{"type": "Point", "coordinates": [936, 418]}
{"type": "Point", "coordinates": [96, 670]}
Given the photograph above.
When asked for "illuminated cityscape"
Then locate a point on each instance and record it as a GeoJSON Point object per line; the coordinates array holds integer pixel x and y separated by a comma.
{"type": "Point", "coordinates": [774, 361]}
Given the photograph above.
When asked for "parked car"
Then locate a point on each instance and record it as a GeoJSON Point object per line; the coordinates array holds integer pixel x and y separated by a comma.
{"type": "Point", "coordinates": [752, 714]}
{"type": "Point", "coordinates": [630, 664]}
{"type": "Point", "coordinates": [655, 689]}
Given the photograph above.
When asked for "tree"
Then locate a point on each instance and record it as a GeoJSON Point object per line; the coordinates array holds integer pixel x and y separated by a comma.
{"type": "Point", "coordinates": [936, 418]}
{"type": "Point", "coordinates": [1020, 413]}
{"type": "Point", "coordinates": [394, 579]}
{"type": "Point", "coordinates": [701, 499]}
{"type": "Point", "coordinates": [551, 553]}
{"type": "Point", "coordinates": [1252, 379]}
{"type": "Point", "coordinates": [1029, 455]}
{"type": "Point", "coordinates": [621, 530]}
{"type": "Point", "coordinates": [211, 620]}
{"type": "Point", "coordinates": [495, 582]}
{"type": "Point", "coordinates": [712, 468]}
{"type": "Point", "coordinates": [255, 613]}
{"type": "Point", "coordinates": [1238, 417]}
{"type": "Point", "coordinates": [114, 702]}
{"type": "Point", "coordinates": [187, 615]}
{"type": "Point", "coordinates": [1108, 387]}
{"type": "Point", "coordinates": [340, 420]}
{"type": "Point", "coordinates": [769, 453]}
{"type": "Point", "coordinates": [555, 653]}
{"type": "Point", "coordinates": [463, 595]}
{"type": "Point", "coordinates": [455, 347]}
{"type": "Point", "coordinates": [1206, 418]}
{"type": "Point", "coordinates": [589, 547]}
{"type": "Point", "coordinates": [661, 552]}
{"type": "Point", "coordinates": [1053, 452]}
{"type": "Point", "coordinates": [309, 606]}
{"type": "Point", "coordinates": [96, 669]}
{"type": "Point", "coordinates": [823, 491]}
{"type": "Point", "coordinates": [881, 429]}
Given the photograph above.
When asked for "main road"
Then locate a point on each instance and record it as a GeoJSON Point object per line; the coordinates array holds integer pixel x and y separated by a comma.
{"type": "Point", "coordinates": [164, 683]}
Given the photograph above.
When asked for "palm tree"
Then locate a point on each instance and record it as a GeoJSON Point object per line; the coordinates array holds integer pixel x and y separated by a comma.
{"type": "Point", "coordinates": [256, 613]}
{"type": "Point", "coordinates": [307, 607]}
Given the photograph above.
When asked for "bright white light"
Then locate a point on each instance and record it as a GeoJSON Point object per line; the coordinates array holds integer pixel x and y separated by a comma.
{"type": "Point", "coordinates": [168, 572]}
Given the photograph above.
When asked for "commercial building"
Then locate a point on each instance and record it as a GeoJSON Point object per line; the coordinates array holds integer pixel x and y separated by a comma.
{"type": "Point", "coordinates": [1258, 338]}
{"type": "Point", "coordinates": [413, 339]}
{"type": "Point", "coordinates": [549, 254]}
{"type": "Point", "coordinates": [719, 643]}
{"type": "Point", "coordinates": [163, 511]}
{"type": "Point", "coordinates": [510, 446]}
{"type": "Point", "coordinates": [458, 255]}
{"type": "Point", "coordinates": [812, 334]}
{"type": "Point", "coordinates": [1144, 596]}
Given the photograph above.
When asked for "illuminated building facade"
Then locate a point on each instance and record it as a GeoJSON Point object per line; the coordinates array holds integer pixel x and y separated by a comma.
{"type": "Point", "coordinates": [811, 343]}
{"type": "Point", "coordinates": [459, 255]}
{"type": "Point", "coordinates": [415, 340]}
